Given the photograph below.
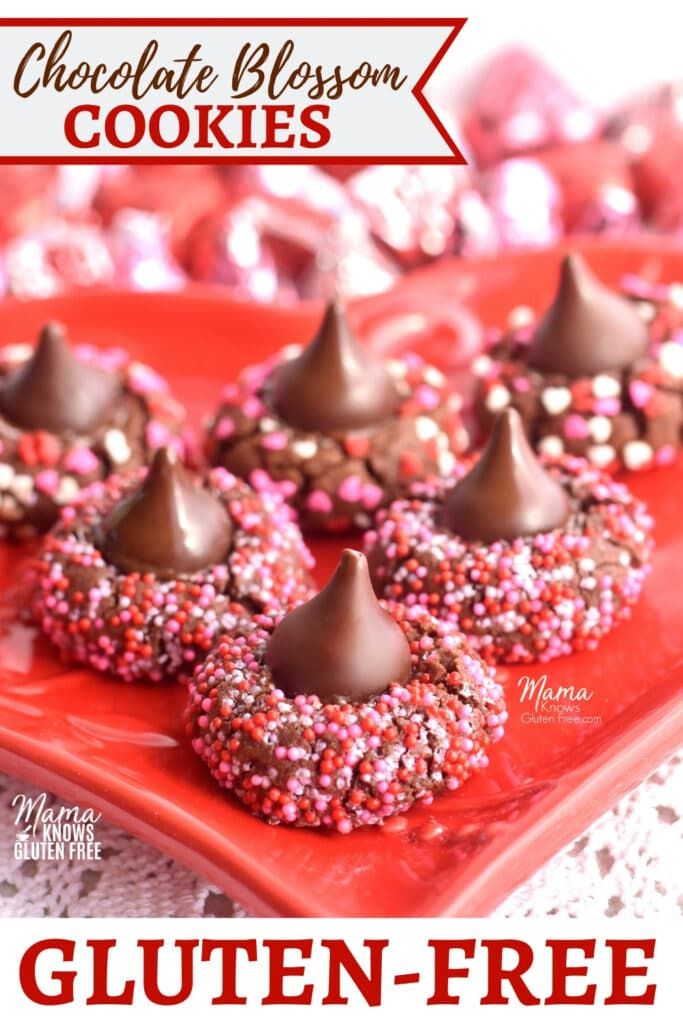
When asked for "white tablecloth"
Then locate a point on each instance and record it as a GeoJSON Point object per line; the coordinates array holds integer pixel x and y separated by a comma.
{"type": "Point", "coordinates": [627, 862]}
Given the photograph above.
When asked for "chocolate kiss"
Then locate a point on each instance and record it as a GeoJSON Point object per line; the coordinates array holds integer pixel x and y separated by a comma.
{"type": "Point", "coordinates": [54, 391]}
{"type": "Point", "coordinates": [588, 328]}
{"type": "Point", "coordinates": [334, 384]}
{"type": "Point", "coordinates": [341, 645]}
{"type": "Point", "coordinates": [169, 526]}
{"type": "Point", "coordinates": [507, 493]}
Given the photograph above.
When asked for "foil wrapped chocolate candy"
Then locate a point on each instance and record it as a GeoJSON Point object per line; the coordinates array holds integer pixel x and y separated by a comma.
{"type": "Point", "coordinates": [520, 105]}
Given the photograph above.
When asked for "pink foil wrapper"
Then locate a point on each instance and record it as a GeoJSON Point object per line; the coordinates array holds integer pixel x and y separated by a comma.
{"type": "Point", "coordinates": [348, 263]}
{"type": "Point", "coordinates": [597, 186]}
{"type": "Point", "coordinates": [422, 213]}
{"type": "Point", "coordinates": [526, 203]}
{"type": "Point", "coordinates": [139, 245]}
{"type": "Point", "coordinates": [59, 256]}
{"type": "Point", "coordinates": [27, 197]}
{"type": "Point", "coordinates": [520, 105]}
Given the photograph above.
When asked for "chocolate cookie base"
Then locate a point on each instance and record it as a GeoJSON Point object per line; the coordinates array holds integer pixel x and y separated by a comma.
{"type": "Point", "coordinates": [41, 472]}
{"type": "Point", "coordinates": [534, 598]}
{"type": "Point", "coordinates": [140, 627]}
{"type": "Point", "coordinates": [309, 764]}
{"type": "Point", "coordinates": [631, 418]}
{"type": "Point", "coordinates": [336, 481]}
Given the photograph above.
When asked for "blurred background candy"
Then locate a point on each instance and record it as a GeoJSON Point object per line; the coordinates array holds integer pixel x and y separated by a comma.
{"type": "Point", "coordinates": [543, 163]}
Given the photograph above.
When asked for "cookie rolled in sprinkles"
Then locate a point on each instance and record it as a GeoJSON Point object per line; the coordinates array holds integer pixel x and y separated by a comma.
{"type": "Point", "coordinates": [336, 431]}
{"type": "Point", "coordinates": [417, 716]}
{"type": "Point", "coordinates": [142, 576]}
{"type": "Point", "coordinates": [68, 418]}
{"type": "Point", "coordinates": [600, 375]}
{"type": "Point", "coordinates": [530, 558]}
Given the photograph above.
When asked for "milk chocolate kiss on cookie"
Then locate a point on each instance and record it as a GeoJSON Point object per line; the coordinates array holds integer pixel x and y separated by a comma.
{"type": "Point", "coordinates": [55, 391]}
{"type": "Point", "coordinates": [341, 646]}
{"type": "Point", "coordinates": [169, 526]}
{"type": "Point", "coordinates": [507, 493]}
{"type": "Point", "coordinates": [588, 329]}
{"type": "Point", "coordinates": [334, 384]}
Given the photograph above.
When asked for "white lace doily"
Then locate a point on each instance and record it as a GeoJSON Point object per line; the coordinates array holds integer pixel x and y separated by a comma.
{"type": "Point", "coordinates": [628, 861]}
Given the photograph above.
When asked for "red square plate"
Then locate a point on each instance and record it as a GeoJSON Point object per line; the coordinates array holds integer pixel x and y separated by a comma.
{"type": "Point", "coordinates": [72, 731]}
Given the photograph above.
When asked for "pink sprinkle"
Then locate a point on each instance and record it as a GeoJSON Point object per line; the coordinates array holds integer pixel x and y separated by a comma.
{"type": "Point", "coordinates": [521, 384]}
{"type": "Point", "coordinates": [81, 460]}
{"type": "Point", "coordinates": [47, 481]}
{"type": "Point", "coordinates": [665, 455]}
{"type": "Point", "coordinates": [156, 434]}
{"type": "Point", "coordinates": [224, 428]}
{"type": "Point", "coordinates": [640, 392]}
{"type": "Point", "coordinates": [350, 489]}
{"type": "Point", "coordinates": [607, 406]}
{"type": "Point", "coordinates": [427, 397]}
{"type": "Point", "coordinates": [372, 495]}
{"type": "Point", "coordinates": [274, 442]}
{"type": "Point", "coordinates": [319, 501]}
{"type": "Point", "coordinates": [575, 427]}
{"type": "Point", "coordinates": [143, 380]}
{"type": "Point", "coordinates": [253, 407]}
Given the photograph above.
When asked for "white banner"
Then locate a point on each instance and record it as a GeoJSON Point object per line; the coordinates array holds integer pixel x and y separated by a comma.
{"type": "Point", "coordinates": [312, 970]}
{"type": "Point", "coordinates": [263, 91]}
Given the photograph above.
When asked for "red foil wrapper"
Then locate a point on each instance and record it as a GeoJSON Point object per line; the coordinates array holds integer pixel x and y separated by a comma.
{"type": "Point", "coordinates": [521, 105]}
{"type": "Point", "coordinates": [597, 186]}
{"type": "Point", "coordinates": [228, 248]}
{"type": "Point", "coordinates": [526, 203]}
{"type": "Point", "coordinates": [58, 257]}
{"type": "Point", "coordinates": [182, 194]}
{"type": "Point", "coordinates": [27, 197]}
{"type": "Point", "coordinates": [651, 131]}
{"type": "Point", "coordinates": [422, 213]}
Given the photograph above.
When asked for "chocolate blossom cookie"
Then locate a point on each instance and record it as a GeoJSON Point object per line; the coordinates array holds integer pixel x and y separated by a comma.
{"type": "Point", "coordinates": [337, 432]}
{"type": "Point", "coordinates": [531, 559]}
{"type": "Point", "coordinates": [347, 713]}
{"type": "Point", "coordinates": [595, 377]}
{"type": "Point", "coordinates": [141, 577]}
{"type": "Point", "coordinates": [69, 417]}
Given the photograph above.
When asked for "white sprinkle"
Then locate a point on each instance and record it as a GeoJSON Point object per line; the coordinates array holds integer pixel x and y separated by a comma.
{"type": "Point", "coordinates": [267, 425]}
{"type": "Point", "coordinates": [425, 428]}
{"type": "Point", "coordinates": [521, 316]}
{"type": "Point", "coordinates": [15, 353]}
{"type": "Point", "coordinates": [556, 400]}
{"type": "Point", "coordinates": [396, 367]}
{"type": "Point", "coordinates": [671, 358]}
{"type": "Point", "coordinates": [601, 454]}
{"type": "Point", "coordinates": [22, 487]}
{"type": "Point", "coordinates": [6, 475]}
{"type": "Point", "coordinates": [481, 366]}
{"type": "Point", "coordinates": [646, 310]}
{"type": "Point", "coordinates": [606, 387]}
{"type": "Point", "coordinates": [676, 294]}
{"type": "Point", "coordinates": [446, 463]}
{"type": "Point", "coordinates": [434, 376]}
{"type": "Point", "coordinates": [498, 398]}
{"type": "Point", "coordinates": [67, 491]}
{"type": "Point", "coordinates": [600, 429]}
{"type": "Point", "coordinates": [637, 454]}
{"type": "Point", "coordinates": [551, 445]}
{"type": "Point", "coordinates": [116, 446]}
{"type": "Point", "coordinates": [304, 449]}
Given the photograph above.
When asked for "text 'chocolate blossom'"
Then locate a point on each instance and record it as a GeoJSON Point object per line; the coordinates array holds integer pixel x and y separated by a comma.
{"type": "Point", "coordinates": [341, 645]}
{"type": "Point", "coordinates": [335, 384]}
{"type": "Point", "coordinates": [588, 328]}
{"type": "Point", "coordinates": [169, 526]}
{"type": "Point", "coordinates": [55, 391]}
{"type": "Point", "coordinates": [507, 493]}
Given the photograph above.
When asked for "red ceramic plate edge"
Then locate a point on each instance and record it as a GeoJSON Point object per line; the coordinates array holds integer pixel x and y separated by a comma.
{"type": "Point", "coordinates": [575, 802]}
